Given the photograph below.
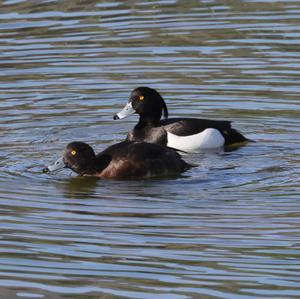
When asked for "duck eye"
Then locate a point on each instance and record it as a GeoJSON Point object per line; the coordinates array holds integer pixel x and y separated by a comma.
{"type": "Point", "coordinates": [141, 98]}
{"type": "Point", "coordinates": [73, 152]}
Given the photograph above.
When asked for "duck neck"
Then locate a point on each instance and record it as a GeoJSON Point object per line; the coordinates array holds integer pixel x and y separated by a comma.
{"type": "Point", "coordinates": [88, 169]}
{"type": "Point", "coordinates": [100, 163]}
{"type": "Point", "coordinates": [148, 121]}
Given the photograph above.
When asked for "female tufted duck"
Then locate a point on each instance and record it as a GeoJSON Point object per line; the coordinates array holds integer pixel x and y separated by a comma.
{"type": "Point", "coordinates": [185, 134]}
{"type": "Point", "coordinates": [123, 160]}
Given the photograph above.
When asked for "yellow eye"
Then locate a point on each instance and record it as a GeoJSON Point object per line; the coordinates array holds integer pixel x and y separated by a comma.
{"type": "Point", "coordinates": [73, 152]}
{"type": "Point", "coordinates": [141, 98]}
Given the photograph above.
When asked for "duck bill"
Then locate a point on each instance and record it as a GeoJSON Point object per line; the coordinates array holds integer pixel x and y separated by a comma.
{"type": "Point", "coordinates": [125, 112]}
{"type": "Point", "coordinates": [59, 164]}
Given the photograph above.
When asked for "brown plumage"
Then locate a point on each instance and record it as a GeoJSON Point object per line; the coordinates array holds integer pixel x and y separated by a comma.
{"type": "Point", "coordinates": [124, 160]}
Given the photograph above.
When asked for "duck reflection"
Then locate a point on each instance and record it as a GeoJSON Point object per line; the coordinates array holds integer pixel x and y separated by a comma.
{"type": "Point", "coordinates": [79, 187]}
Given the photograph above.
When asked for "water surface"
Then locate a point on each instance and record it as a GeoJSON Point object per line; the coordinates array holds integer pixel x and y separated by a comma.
{"type": "Point", "coordinates": [228, 228]}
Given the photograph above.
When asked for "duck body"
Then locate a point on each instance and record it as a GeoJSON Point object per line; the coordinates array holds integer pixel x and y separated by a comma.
{"type": "Point", "coordinates": [185, 134]}
{"type": "Point", "coordinates": [124, 160]}
{"type": "Point", "coordinates": [141, 159]}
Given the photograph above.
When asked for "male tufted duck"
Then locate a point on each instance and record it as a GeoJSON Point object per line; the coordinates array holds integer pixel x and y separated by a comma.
{"type": "Point", "coordinates": [185, 134]}
{"type": "Point", "coordinates": [123, 160]}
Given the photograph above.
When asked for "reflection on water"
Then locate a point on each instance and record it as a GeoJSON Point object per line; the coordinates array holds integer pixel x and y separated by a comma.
{"type": "Point", "coordinates": [228, 228]}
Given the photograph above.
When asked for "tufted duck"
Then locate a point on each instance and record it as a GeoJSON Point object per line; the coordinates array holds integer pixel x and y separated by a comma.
{"type": "Point", "coordinates": [123, 160]}
{"type": "Point", "coordinates": [185, 134]}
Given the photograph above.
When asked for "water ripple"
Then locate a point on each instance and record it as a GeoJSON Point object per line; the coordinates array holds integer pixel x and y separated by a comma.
{"type": "Point", "coordinates": [228, 228]}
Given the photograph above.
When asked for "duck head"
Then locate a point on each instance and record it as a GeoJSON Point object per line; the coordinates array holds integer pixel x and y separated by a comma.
{"type": "Point", "coordinates": [78, 156]}
{"type": "Point", "coordinates": [146, 102]}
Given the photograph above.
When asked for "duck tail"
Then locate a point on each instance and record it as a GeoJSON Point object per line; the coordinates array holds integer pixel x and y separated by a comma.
{"type": "Point", "coordinates": [233, 136]}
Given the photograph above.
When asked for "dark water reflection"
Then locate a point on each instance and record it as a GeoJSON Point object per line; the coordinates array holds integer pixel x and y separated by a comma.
{"type": "Point", "coordinates": [228, 228]}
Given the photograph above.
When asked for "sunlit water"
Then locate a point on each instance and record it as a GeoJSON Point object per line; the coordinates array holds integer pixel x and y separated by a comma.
{"type": "Point", "coordinates": [228, 228]}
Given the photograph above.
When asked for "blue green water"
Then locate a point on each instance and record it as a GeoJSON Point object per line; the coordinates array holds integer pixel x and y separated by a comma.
{"type": "Point", "coordinates": [228, 228]}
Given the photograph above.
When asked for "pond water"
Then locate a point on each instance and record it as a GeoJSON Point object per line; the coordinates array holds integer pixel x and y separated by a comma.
{"type": "Point", "coordinates": [228, 228]}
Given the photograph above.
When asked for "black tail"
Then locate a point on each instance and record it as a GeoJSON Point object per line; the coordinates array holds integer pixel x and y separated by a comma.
{"type": "Point", "coordinates": [232, 136]}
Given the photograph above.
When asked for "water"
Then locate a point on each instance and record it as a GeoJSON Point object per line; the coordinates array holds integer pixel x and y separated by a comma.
{"type": "Point", "coordinates": [228, 228]}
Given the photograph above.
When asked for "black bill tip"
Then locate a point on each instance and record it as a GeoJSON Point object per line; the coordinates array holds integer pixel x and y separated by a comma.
{"type": "Point", "coordinates": [45, 170]}
{"type": "Point", "coordinates": [115, 117]}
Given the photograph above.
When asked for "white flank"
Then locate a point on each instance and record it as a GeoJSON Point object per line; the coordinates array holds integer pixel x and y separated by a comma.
{"type": "Point", "coordinates": [207, 139]}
